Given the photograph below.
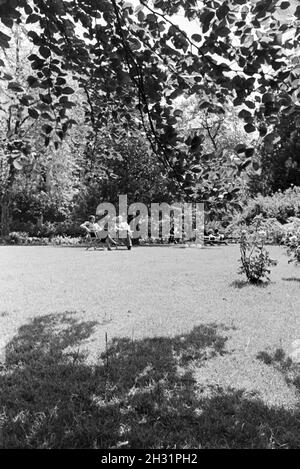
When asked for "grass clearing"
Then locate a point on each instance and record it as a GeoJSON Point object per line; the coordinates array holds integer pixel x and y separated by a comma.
{"type": "Point", "coordinates": [185, 364]}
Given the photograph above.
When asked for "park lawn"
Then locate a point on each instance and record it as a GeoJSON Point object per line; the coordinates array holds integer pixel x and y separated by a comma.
{"type": "Point", "coordinates": [158, 347]}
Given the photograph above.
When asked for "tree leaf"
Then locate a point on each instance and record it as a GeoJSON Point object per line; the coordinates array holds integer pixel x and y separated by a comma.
{"type": "Point", "coordinates": [197, 37]}
{"type": "Point", "coordinates": [4, 40]}
{"type": "Point", "coordinates": [33, 18]}
{"type": "Point", "coordinates": [60, 81]}
{"type": "Point", "coordinates": [246, 115]}
{"type": "Point", "coordinates": [8, 22]}
{"type": "Point", "coordinates": [249, 152]}
{"type": "Point", "coordinates": [45, 51]}
{"type": "Point", "coordinates": [135, 44]}
{"type": "Point", "coordinates": [206, 16]}
{"type": "Point", "coordinates": [28, 9]}
{"type": "Point", "coordinates": [67, 90]}
{"type": "Point", "coordinates": [178, 113]}
{"type": "Point", "coordinates": [249, 128]}
{"type": "Point", "coordinates": [14, 86]}
{"type": "Point", "coordinates": [285, 5]}
{"type": "Point", "coordinates": [250, 104]}
{"type": "Point", "coordinates": [33, 113]}
{"type": "Point", "coordinates": [32, 81]}
{"type": "Point", "coordinates": [240, 148]}
{"type": "Point", "coordinates": [47, 128]}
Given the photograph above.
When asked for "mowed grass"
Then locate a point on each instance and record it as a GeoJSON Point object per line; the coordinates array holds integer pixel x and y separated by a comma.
{"type": "Point", "coordinates": [160, 347]}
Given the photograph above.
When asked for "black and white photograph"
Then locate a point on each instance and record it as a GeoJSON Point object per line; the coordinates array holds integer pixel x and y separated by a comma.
{"type": "Point", "coordinates": [149, 228]}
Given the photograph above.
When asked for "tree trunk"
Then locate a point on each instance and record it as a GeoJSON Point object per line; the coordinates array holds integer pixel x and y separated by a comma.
{"type": "Point", "coordinates": [40, 220]}
{"type": "Point", "coordinates": [5, 216]}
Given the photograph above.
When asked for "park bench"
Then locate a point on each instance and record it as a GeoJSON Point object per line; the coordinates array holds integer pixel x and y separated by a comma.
{"type": "Point", "coordinates": [97, 242]}
{"type": "Point", "coordinates": [215, 240]}
{"type": "Point", "coordinates": [94, 242]}
{"type": "Point", "coordinates": [124, 241]}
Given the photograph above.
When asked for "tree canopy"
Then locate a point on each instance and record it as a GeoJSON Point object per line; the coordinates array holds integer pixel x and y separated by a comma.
{"type": "Point", "coordinates": [132, 61]}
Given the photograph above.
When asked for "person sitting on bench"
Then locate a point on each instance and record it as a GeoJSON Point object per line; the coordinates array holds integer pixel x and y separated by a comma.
{"type": "Point", "coordinates": [94, 230]}
{"type": "Point", "coordinates": [211, 235]}
{"type": "Point", "coordinates": [214, 237]}
{"type": "Point", "coordinates": [122, 225]}
{"type": "Point", "coordinates": [90, 226]}
{"type": "Point", "coordinates": [218, 235]}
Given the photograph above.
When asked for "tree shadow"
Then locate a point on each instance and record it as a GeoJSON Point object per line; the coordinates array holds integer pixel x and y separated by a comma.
{"type": "Point", "coordinates": [291, 279]}
{"type": "Point", "coordinates": [141, 394]}
{"type": "Point", "coordinates": [4, 314]}
{"type": "Point", "coordinates": [284, 364]}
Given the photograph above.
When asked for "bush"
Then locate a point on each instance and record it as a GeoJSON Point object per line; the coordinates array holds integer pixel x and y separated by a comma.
{"type": "Point", "coordinates": [50, 229]}
{"type": "Point", "coordinates": [68, 228]}
{"type": "Point", "coordinates": [280, 205]}
{"type": "Point", "coordinates": [16, 237]}
{"type": "Point", "coordinates": [255, 259]}
{"type": "Point", "coordinates": [35, 240]}
{"type": "Point", "coordinates": [275, 232]}
{"type": "Point", "coordinates": [277, 210]}
{"type": "Point", "coordinates": [67, 240]}
{"type": "Point", "coordinates": [212, 225]}
{"type": "Point", "coordinates": [292, 243]}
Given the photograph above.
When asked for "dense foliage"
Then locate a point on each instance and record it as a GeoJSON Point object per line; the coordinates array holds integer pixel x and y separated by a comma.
{"type": "Point", "coordinates": [113, 71]}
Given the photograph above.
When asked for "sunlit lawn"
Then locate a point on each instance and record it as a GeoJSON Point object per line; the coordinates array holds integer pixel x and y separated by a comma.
{"type": "Point", "coordinates": [182, 365]}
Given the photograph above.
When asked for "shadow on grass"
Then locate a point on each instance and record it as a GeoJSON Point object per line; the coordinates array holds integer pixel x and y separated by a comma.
{"type": "Point", "coordinates": [4, 314]}
{"type": "Point", "coordinates": [291, 279]}
{"type": "Point", "coordinates": [141, 394]}
{"type": "Point", "coordinates": [284, 364]}
{"type": "Point", "coordinates": [245, 283]}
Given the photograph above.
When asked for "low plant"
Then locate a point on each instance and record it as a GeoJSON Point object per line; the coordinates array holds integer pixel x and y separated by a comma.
{"type": "Point", "coordinates": [280, 205]}
{"type": "Point", "coordinates": [67, 240]}
{"type": "Point", "coordinates": [255, 259]}
{"type": "Point", "coordinates": [17, 237]}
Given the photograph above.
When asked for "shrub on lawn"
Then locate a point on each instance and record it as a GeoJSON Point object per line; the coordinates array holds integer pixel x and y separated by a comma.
{"type": "Point", "coordinates": [292, 243]}
{"type": "Point", "coordinates": [255, 259]}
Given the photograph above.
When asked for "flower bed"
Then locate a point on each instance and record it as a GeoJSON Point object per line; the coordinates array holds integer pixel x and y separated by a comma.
{"type": "Point", "coordinates": [22, 238]}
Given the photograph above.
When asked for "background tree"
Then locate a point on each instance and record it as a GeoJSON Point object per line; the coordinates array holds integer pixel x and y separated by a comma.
{"type": "Point", "coordinates": [280, 158]}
